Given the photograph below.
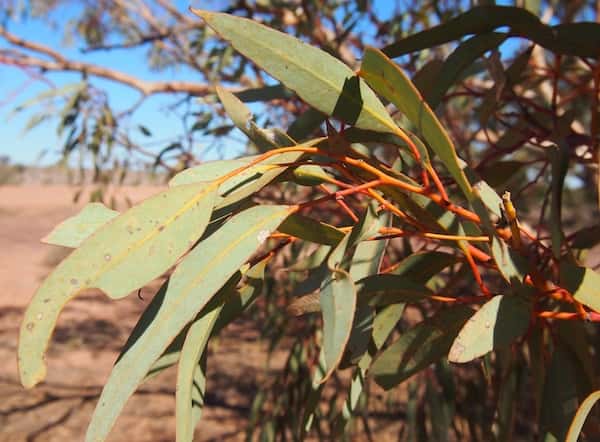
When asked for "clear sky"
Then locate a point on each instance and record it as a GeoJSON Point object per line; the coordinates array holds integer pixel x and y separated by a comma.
{"type": "Point", "coordinates": [16, 87]}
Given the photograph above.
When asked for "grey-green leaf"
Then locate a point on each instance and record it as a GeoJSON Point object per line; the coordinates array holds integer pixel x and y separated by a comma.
{"type": "Point", "coordinates": [583, 283]}
{"type": "Point", "coordinates": [74, 230]}
{"type": "Point", "coordinates": [418, 347]}
{"type": "Point", "coordinates": [189, 372]}
{"type": "Point", "coordinates": [497, 324]}
{"type": "Point", "coordinates": [338, 304]}
{"type": "Point", "coordinates": [156, 232]}
{"type": "Point", "coordinates": [193, 284]}
{"type": "Point", "coordinates": [318, 78]}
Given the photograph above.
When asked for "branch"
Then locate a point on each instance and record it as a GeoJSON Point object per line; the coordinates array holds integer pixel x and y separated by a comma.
{"type": "Point", "coordinates": [58, 63]}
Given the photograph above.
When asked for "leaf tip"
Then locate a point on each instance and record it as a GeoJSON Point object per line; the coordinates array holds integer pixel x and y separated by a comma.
{"type": "Point", "coordinates": [205, 15]}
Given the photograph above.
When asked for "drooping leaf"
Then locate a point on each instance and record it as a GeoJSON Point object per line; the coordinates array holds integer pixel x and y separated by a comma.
{"type": "Point", "coordinates": [156, 232]}
{"type": "Point", "coordinates": [387, 79]}
{"type": "Point", "coordinates": [581, 415]}
{"type": "Point", "coordinates": [366, 261]}
{"type": "Point", "coordinates": [193, 284]}
{"type": "Point", "coordinates": [74, 230]}
{"type": "Point", "coordinates": [462, 57]}
{"type": "Point", "coordinates": [242, 118]}
{"type": "Point", "coordinates": [420, 267]}
{"type": "Point", "coordinates": [583, 283]}
{"type": "Point", "coordinates": [318, 78]}
{"type": "Point", "coordinates": [560, 399]}
{"type": "Point", "coordinates": [238, 301]}
{"type": "Point", "coordinates": [496, 324]}
{"type": "Point", "coordinates": [512, 266]}
{"type": "Point", "coordinates": [312, 230]}
{"type": "Point", "coordinates": [582, 39]}
{"type": "Point", "coordinates": [386, 289]}
{"type": "Point", "coordinates": [338, 305]}
{"type": "Point", "coordinates": [191, 375]}
{"type": "Point", "coordinates": [419, 346]}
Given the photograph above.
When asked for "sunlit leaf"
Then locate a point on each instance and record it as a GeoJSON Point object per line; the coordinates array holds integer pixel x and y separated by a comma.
{"type": "Point", "coordinates": [386, 78]}
{"type": "Point", "coordinates": [581, 415]}
{"type": "Point", "coordinates": [338, 305]}
{"type": "Point", "coordinates": [74, 230]}
{"type": "Point", "coordinates": [583, 283]}
{"type": "Point", "coordinates": [496, 324]}
{"type": "Point", "coordinates": [321, 80]}
{"type": "Point", "coordinates": [156, 232]}
{"type": "Point", "coordinates": [312, 230]}
{"type": "Point", "coordinates": [193, 284]}
{"type": "Point", "coordinates": [191, 374]}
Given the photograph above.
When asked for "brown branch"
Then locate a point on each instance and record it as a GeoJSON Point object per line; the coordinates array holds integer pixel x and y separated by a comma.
{"type": "Point", "coordinates": [62, 64]}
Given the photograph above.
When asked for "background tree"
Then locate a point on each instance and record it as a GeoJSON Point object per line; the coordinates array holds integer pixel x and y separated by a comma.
{"type": "Point", "coordinates": [519, 98]}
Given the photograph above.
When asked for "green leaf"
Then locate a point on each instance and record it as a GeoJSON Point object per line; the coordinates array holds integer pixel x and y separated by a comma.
{"type": "Point", "coordinates": [310, 175]}
{"type": "Point", "coordinates": [243, 184]}
{"type": "Point", "coordinates": [264, 93]}
{"type": "Point", "coordinates": [496, 324]}
{"type": "Point", "coordinates": [387, 79]}
{"type": "Point", "coordinates": [512, 266]}
{"type": "Point", "coordinates": [582, 39]}
{"type": "Point", "coordinates": [318, 78]}
{"type": "Point", "coordinates": [586, 238]}
{"type": "Point", "coordinates": [561, 398]}
{"type": "Point", "coordinates": [243, 119]}
{"type": "Point", "coordinates": [581, 415]}
{"type": "Point", "coordinates": [462, 57]}
{"type": "Point", "coordinates": [419, 346]}
{"type": "Point", "coordinates": [582, 282]}
{"type": "Point", "coordinates": [157, 232]}
{"type": "Point", "coordinates": [366, 261]}
{"type": "Point", "coordinates": [74, 230]}
{"type": "Point", "coordinates": [501, 172]}
{"type": "Point", "coordinates": [386, 288]}
{"type": "Point", "coordinates": [310, 229]}
{"type": "Point", "coordinates": [420, 267]}
{"type": "Point", "coordinates": [338, 305]}
{"type": "Point", "coordinates": [237, 302]}
{"type": "Point", "coordinates": [191, 375]}
{"type": "Point", "coordinates": [193, 284]}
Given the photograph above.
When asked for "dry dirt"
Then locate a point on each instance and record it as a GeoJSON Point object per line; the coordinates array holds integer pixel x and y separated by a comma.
{"type": "Point", "coordinates": [87, 340]}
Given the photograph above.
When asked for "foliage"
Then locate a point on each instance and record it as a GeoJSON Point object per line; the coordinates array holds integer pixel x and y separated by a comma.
{"type": "Point", "coordinates": [420, 260]}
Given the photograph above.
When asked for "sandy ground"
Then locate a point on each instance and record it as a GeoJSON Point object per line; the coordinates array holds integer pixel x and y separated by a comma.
{"type": "Point", "coordinates": [88, 337]}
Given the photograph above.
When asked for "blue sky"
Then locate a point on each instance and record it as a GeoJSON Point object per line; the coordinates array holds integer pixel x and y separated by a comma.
{"type": "Point", "coordinates": [27, 147]}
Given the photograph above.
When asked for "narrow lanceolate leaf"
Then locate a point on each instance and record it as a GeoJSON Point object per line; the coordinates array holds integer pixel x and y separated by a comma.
{"type": "Point", "coordinates": [156, 233]}
{"type": "Point", "coordinates": [418, 347]}
{"type": "Point", "coordinates": [583, 283]}
{"type": "Point", "coordinates": [495, 325]}
{"type": "Point", "coordinates": [338, 304]}
{"type": "Point", "coordinates": [581, 39]}
{"type": "Point", "coordinates": [73, 231]}
{"type": "Point", "coordinates": [462, 57]}
{"type": "Point", "coordinates": [321, 80]}
{"type": "Point", "coordinates": [387, 79]}
{"type": "Point", "coordinates": [243, 119]}
{"type": "Point", "coordinates": [193, 284]}
{"type": "Point", "coordinates": [512, 266]}
{"type": "Point", "coordinates": [190, 374]}
{"type": "Point", "coordinates": [386, 289]}
{"type": "Point", "coordinates": [581, 415]}
{"type": "Point", "coordinates": [310, 229]}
